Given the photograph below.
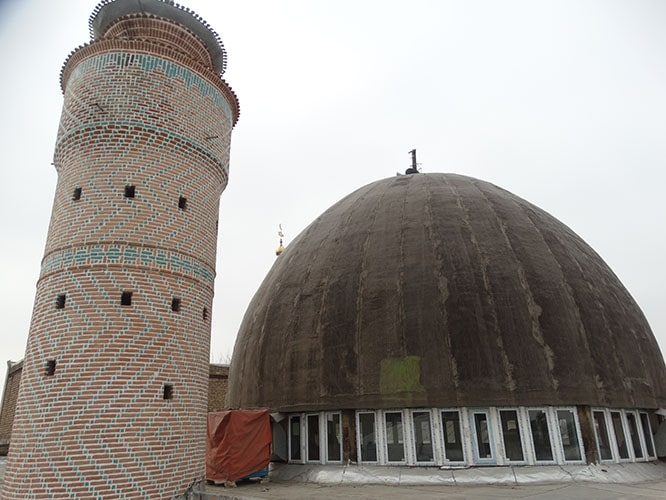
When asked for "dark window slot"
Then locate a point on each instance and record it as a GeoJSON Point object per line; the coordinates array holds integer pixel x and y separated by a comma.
{"type": "Point", "coordinates": [126, 299]}
{"type": "Point", "coordinates": [175, 304]}
{"type": "Point", "coordinates": [50, 367]}
{"type": "Point", "coordinates": [182, 203]}
{"type": "Point", "coordinates": [76, 196]}
{"type": "Point", "coordinates": [60, 301]}
{"type": "Point", "coordinates": [168, 391]}
{"type": "Point", "coordinates": [130, 191]}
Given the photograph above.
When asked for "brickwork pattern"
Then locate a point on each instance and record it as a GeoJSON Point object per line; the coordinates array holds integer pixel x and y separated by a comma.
{"type": "Point", "coordinates": [218, 378]}
{"type": "Point", "coordinates": [218, 382]}
{"type": "Point", "coordinates": [95, 418]}
{"type": "Point", "coordinates": [160, 30]}
{"type": "Point", "coordinates": [9, 398]}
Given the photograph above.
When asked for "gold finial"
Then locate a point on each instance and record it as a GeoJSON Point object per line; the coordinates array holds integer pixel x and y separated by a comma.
{"type": "Point", "coordinates": [280, 248]}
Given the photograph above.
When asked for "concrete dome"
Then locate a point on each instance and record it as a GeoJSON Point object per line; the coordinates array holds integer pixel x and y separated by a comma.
{"type": "Point", "coordinates": [438, 290]}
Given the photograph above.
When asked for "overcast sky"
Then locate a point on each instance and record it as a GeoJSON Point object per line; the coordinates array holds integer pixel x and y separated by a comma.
{"type": "Point", "coordinates": [561, 102]}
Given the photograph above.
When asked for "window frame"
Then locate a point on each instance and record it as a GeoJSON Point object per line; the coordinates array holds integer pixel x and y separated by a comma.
{"type": "Point", "coordinates": [550, 426]}
{"type": "Point", "coordinates": [476, 459]}
{"type": "Point", "coordinates": [359, 437]}
{"type": "Point", "coordinates": [609, 436]}
{"type": "Point", "coordinates": [300, 439]}
{"type": "Point", "coordinates": [616, 446]}
{"type": "Point", "coordinates": [647, 434]}
{"type": "Point", "coordinates": [307, 438]}
{"type": "Point", "coordinates": [641, 446]}
{"type": "Point", "coordinates": [579, 435]}
{"type": "Point", "coordinates": [433, 444]}
{"type": "Point", "coordinates": [521, 433]}
{"type": "Point", "coordinates": [461, 436]}
{"type": "Point", "coordinates": [325, 440]}
{"type": "Point", "coordinates": [405, 449]}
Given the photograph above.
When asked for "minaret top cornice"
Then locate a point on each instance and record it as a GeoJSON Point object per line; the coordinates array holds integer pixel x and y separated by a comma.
{"type": "Point", "coordinates": [108, 11]}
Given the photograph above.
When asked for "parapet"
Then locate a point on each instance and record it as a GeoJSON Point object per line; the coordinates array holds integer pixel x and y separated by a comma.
{"type": "Point", "coordinates": [108, 12]}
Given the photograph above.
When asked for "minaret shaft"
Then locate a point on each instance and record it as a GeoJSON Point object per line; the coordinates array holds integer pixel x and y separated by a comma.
{"type": "Point", "coordinates": [113, 394]}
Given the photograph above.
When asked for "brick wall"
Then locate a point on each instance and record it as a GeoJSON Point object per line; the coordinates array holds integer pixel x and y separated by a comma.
{"type": "Point", "coordinates": [9, 397]}
{"type": "Point", "coordinates": [218, 381]}
{"type": "Point", "coordinates": [218, 376]}
{"type": "Point", "coordinates": [114, 387]}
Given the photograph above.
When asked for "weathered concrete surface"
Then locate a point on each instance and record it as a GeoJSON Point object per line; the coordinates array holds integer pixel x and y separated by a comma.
{"type": "Point", "coordinates": [542, 492]}
{"type": "Point", "coordinates": [628, 473]}
{"type": "Point", "coordinates": [436, 290]}
{"type": "Point", "coordinates": [569, 485]}
{"type": "Point", "coordinates": [576, 487]}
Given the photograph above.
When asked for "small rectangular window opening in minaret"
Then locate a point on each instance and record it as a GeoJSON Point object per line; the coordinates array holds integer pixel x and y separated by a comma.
{"type": "Point", "coordinates": [76, 196]}
{"type": "Point", "coordinates": [126, 299]}
{"type": "Point", "coordinates": [167, 392]}
{"type": "Point", "coordinates": [60, 301]}
{"type": "Point", "coordinates": [130, 191]}
{"type": "Point", "coordinates": [182, 203]}
{"type": "Point", "coordinates": [205, 313]}
{"type": "Point", "coordinates": [175, 304]}
{"type": "Point", "coordinates": [50, 367]}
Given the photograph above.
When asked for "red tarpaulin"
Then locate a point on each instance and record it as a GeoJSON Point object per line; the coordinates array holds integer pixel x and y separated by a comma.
{"type": "Point", "coordinates": [238, 444]}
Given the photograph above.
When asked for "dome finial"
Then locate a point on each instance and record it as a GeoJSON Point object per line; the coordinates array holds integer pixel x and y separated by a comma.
{"type": "Point", "coordinates": [280, 248]}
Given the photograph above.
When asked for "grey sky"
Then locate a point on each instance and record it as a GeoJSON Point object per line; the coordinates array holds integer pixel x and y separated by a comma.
{"type": "Point", "coordinates": [560, 102]}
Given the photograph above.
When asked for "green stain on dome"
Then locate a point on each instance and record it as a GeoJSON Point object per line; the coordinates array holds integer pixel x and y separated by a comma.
{"type": "Point", "coordinates": [399, 375]}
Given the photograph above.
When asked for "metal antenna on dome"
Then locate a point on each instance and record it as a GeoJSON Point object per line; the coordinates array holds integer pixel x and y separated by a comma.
{"type": "Point", "coordinates": [414, 169]}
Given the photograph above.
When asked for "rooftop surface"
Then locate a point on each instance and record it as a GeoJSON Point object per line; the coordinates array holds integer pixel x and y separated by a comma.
{"type": "Point", "coordinates": [593, 482]}
{"type": "Point", "coordinates": [588, 491]}
{"type": "Point", "coordinates": [602, 482]}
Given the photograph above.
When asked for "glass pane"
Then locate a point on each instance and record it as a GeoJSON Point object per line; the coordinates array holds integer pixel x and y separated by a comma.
{"type": "Point", "coordinates": [422, 436]}
{"type": "Point", "coordinates": [368, 439]}
{"type": "Point", "coordinates": [647, 434]}
{"type": "Point", "coordinates": [568, 434]}
{"type": "Point", "coordinates": [394, 442]}
{"type": "Point", "coordinates": [540, 435]}
{"type": "Point", "coordinates": [482, 435]}
{"type": "Point", "coordinates": [633, 434]}
{"type": "Point", "coordinates": [333, 437]}
{"type": "Point", "coordinates": [602, 435]}
{"type": "Point", "coordinates": [295, 438]}
{"type": "Point", "coordinates": [513, 446]}
{"type": "Point", "coordinates": [616, 418]}
{"type": "Point", "coordinates": [452, 440]}
{"type": "Point", "coordinates": [313, 437]}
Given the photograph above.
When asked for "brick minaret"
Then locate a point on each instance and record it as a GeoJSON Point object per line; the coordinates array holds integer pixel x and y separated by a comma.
{"type": "Point", "coordinates": [113, 395]}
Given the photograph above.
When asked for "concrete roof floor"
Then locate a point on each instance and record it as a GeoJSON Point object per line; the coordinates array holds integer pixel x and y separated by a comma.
{"type": "Point", "coordinates": [297, 491]}
{"type": "Point", "coordinates": [602, 482]}
{"type": "Point", "coordinates": [588, 490]}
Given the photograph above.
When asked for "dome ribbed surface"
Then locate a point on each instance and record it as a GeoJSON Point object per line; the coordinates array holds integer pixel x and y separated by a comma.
{"type": "Point", "coordinates": [436, 290]}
